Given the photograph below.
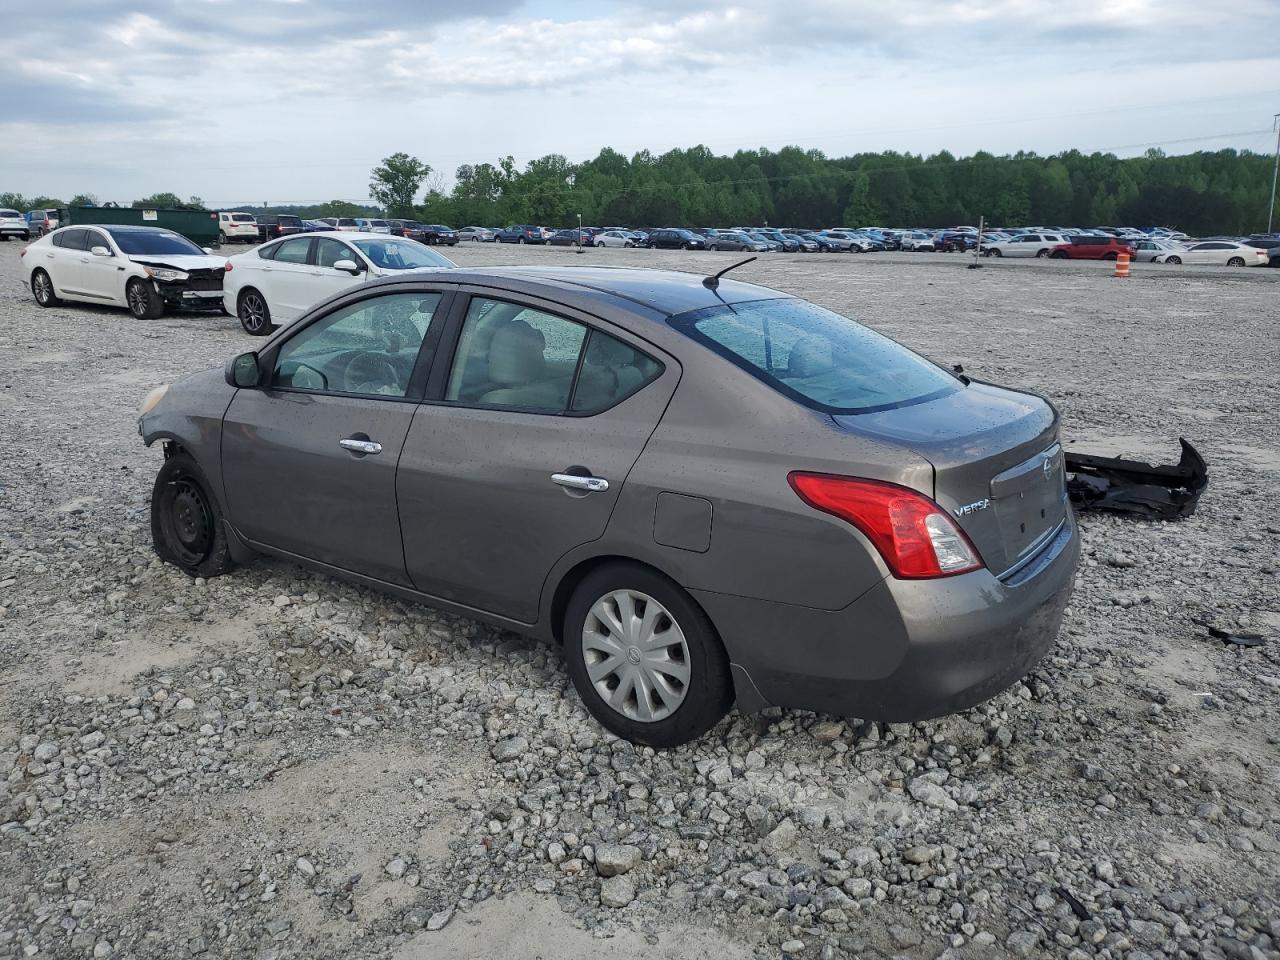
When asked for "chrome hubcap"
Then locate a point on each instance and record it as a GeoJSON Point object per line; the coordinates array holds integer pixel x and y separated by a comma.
{"type": "Point", "coordinates": [636, 655]}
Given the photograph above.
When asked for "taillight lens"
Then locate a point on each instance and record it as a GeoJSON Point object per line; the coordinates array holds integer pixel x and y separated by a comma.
{"type": "Point", "coordinates": [914, 535]}
{"type": "Point", "coordinates": [227, 268]}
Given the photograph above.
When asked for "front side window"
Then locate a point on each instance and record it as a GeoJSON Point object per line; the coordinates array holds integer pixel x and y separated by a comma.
{"type": "Point", "coordinates": [368, 348]}
{"type": "Point", "coordinates": [510, 355]}
{"type": "Point", "coordinates": [329, 252]}
{"type": "Point", "coordinates": [815, 356]}
{"type": "Point", "coordinates": [293, 251]}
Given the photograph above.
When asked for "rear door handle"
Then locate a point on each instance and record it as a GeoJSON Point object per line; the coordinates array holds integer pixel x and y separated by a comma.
{"type": "Point", "coordinates": [360, 446]}
{"type": "Point", "coordinates": [575, 482]}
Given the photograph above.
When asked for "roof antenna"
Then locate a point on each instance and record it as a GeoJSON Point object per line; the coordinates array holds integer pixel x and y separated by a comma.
{"type": "Point", "coordinates": [713, 281]}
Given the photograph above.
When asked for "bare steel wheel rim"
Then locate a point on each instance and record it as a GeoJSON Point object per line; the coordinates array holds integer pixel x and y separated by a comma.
{"type": "Point", "coordinates": [636, 656]}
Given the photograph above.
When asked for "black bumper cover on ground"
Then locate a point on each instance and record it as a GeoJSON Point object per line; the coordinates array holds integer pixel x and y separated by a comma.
{"type": "Point", "coordinates": [1131, 486]}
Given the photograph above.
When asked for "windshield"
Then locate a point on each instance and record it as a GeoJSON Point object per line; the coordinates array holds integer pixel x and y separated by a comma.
{"type": "Point", "coordinates": [402, 254]}
{"type": "Point", "coordinates": [817, 357]}
{"type": "Point", "coordinates": [158, 242]}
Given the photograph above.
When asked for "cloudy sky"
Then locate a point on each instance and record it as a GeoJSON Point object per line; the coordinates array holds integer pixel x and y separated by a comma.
{"type": "Point", "coordinates": [295, 100]}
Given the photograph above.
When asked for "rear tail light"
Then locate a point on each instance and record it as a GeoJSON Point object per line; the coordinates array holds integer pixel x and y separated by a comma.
{"type": "Point", "coordinates": [914, 535]}
{"type": "Point", "coordinates": [227, 268]}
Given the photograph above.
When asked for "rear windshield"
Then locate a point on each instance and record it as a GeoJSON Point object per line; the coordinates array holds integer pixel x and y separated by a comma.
{"type": "Point", "coordinates": [11, 214]}
{"type": "Point", "coordinates": [160, 242]}
{"type": "Point", "coordinates": [242, 218]}
{"type": "Point", "coordinates": [288, 218]}
{"type": "Point", "coordinates": [817, 357]}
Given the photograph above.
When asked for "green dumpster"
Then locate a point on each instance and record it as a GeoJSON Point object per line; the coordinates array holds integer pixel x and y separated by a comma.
{"type": "Point", "coordinates": [198, 226]}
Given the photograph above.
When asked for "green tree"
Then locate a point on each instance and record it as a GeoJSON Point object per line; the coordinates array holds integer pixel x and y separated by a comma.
{"type": "Point", "coordinates": [84, 200]}
{"type": "Point", "coordinates": [14, 201]}
{"type": "Point", "coordinates": [396, 182]}
{"type": "Point", "coordinates": [170, 201]}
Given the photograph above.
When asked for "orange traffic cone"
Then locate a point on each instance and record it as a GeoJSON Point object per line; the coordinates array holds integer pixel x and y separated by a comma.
{"type": "Point", "coordinates": [1122, 265]}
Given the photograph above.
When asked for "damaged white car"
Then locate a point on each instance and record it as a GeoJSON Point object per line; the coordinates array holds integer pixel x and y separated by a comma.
{"type": "Point", "coordinates": [146, 269]}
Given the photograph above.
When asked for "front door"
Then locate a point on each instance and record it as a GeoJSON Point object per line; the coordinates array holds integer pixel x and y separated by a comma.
{"type": "Point", "coordinates": [309, 460]}
{"type": "Point", "coordinates": [101, 277]}
{"type": "Point", "coordinates": [328, 280]}
{"type": "Point", "coordinates": [522, 455]}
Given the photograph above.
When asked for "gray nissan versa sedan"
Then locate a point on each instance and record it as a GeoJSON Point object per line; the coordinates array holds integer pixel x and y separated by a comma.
{"type": "Point", "coordinates": [707, 492]}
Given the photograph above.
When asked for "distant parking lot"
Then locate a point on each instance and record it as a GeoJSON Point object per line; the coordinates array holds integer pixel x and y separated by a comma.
{"type": "Point", "coordinates": [278, 764]}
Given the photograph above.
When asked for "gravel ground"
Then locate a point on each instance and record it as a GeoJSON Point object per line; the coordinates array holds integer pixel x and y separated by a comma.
{"type": "Point", "coordinates": [278, 764]}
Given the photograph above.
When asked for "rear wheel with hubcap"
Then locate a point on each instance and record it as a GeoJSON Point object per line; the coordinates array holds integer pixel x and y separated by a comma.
{"type": "Point", "coordinates": [144, 302]}
{"type": "Point", "coordinates": [644, 657]}
{"type": "Point", "coordinates": [1236, 262]}
{"type": "Point", "coordinates": [186, 523]}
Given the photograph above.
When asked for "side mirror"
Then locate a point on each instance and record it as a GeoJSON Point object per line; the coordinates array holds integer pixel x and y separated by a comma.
{"type": "Point", "coordinates": [347, 266]}
{"type": "Point", "coordinates": [206, 250]}
{"type": "Point", "coordinates": [100, 251]}
{"type": "Point", "coordinates": [242, 371]}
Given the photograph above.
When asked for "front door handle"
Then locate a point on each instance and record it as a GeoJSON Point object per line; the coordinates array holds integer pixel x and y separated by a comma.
{"type": "Point", "coordinates": [360, 446]}
{"type": "Point", "coordinates": [575, 482]}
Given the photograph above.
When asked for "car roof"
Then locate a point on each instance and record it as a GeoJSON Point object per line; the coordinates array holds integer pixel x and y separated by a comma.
{"type": "Point", "coordinates": [667, 292]}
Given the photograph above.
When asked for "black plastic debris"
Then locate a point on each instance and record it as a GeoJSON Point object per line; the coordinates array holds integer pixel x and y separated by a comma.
{"type": "Point", "coordinates": [1240, 638]}
{"type": "Point", "coordinates": [1131, 486]}
{"type": "Point", "coordinates": [1078, 908]}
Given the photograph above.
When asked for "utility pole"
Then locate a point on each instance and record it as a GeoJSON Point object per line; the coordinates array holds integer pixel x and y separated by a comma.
{"type": "Point", "coordinates": [1275, 169]}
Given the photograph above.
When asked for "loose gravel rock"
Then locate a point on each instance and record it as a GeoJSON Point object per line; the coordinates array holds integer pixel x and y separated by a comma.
{"type": "Point", "coordinates": [277, 764]}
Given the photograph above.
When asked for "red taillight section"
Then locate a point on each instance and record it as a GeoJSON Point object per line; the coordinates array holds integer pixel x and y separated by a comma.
{"type": "Point", "coordinates": [914, 535]}
{"type": "Point", "coordinates": [227, 268]}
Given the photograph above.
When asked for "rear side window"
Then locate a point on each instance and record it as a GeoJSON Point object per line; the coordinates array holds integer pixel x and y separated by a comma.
{"type": "Point", "coordinates": [71, 239]}
{"type": "Point", "coordinates": [293, 251]}
{"type": "Point", "coordinates": [611, 372]}
{"type": "Point", "coordinates": [817, 357]}
{"type": "Point", "coordinates": [514, 356]}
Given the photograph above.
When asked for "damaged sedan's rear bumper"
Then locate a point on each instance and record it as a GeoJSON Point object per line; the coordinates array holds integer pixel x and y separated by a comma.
{"type": "Point", "coordinates": [1131, 486]}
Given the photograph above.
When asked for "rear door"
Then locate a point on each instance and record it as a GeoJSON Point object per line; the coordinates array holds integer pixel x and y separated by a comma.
{"type": "Point", "coordinates": [520, 457]}
{"type": "Point", "coordinates": [309, 460]}
{"type": "Point", "coordinates": [291, 289]}
{"type": "Point", "coordinates": [62, 260]}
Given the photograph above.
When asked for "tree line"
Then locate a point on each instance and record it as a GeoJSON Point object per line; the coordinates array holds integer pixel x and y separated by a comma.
{"type": "Point", "coordinates": [1225, 191]}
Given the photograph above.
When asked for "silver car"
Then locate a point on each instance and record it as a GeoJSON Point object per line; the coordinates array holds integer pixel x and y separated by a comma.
{"type": "Point", "coordinates": [706, 491]}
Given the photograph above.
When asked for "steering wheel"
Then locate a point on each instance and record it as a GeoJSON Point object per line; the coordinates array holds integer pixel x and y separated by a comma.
{"type": "Point", "coordinates": [370, 373]}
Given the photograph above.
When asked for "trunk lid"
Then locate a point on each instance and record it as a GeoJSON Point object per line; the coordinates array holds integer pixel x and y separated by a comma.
{"type": "Point", "coordinates": [998, 468]}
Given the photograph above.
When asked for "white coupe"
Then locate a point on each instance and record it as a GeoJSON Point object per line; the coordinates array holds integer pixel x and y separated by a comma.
{"type": "Point", "coordinates": [279, 281]}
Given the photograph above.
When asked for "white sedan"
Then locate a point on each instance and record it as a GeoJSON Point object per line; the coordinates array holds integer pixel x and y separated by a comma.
{"type": "Point", "coordinates": [1145, 250]}
{"type": "Point", "coordinates": [146, 269]}
{"type": "Point", "coordinates": [1024, 245]}
{"type": "Point", "coordinates": [1221, 252]}
{"type": "Point", "coordinates": [613, 238]}
{"type": "Point", "coordinates": [279, 281]}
